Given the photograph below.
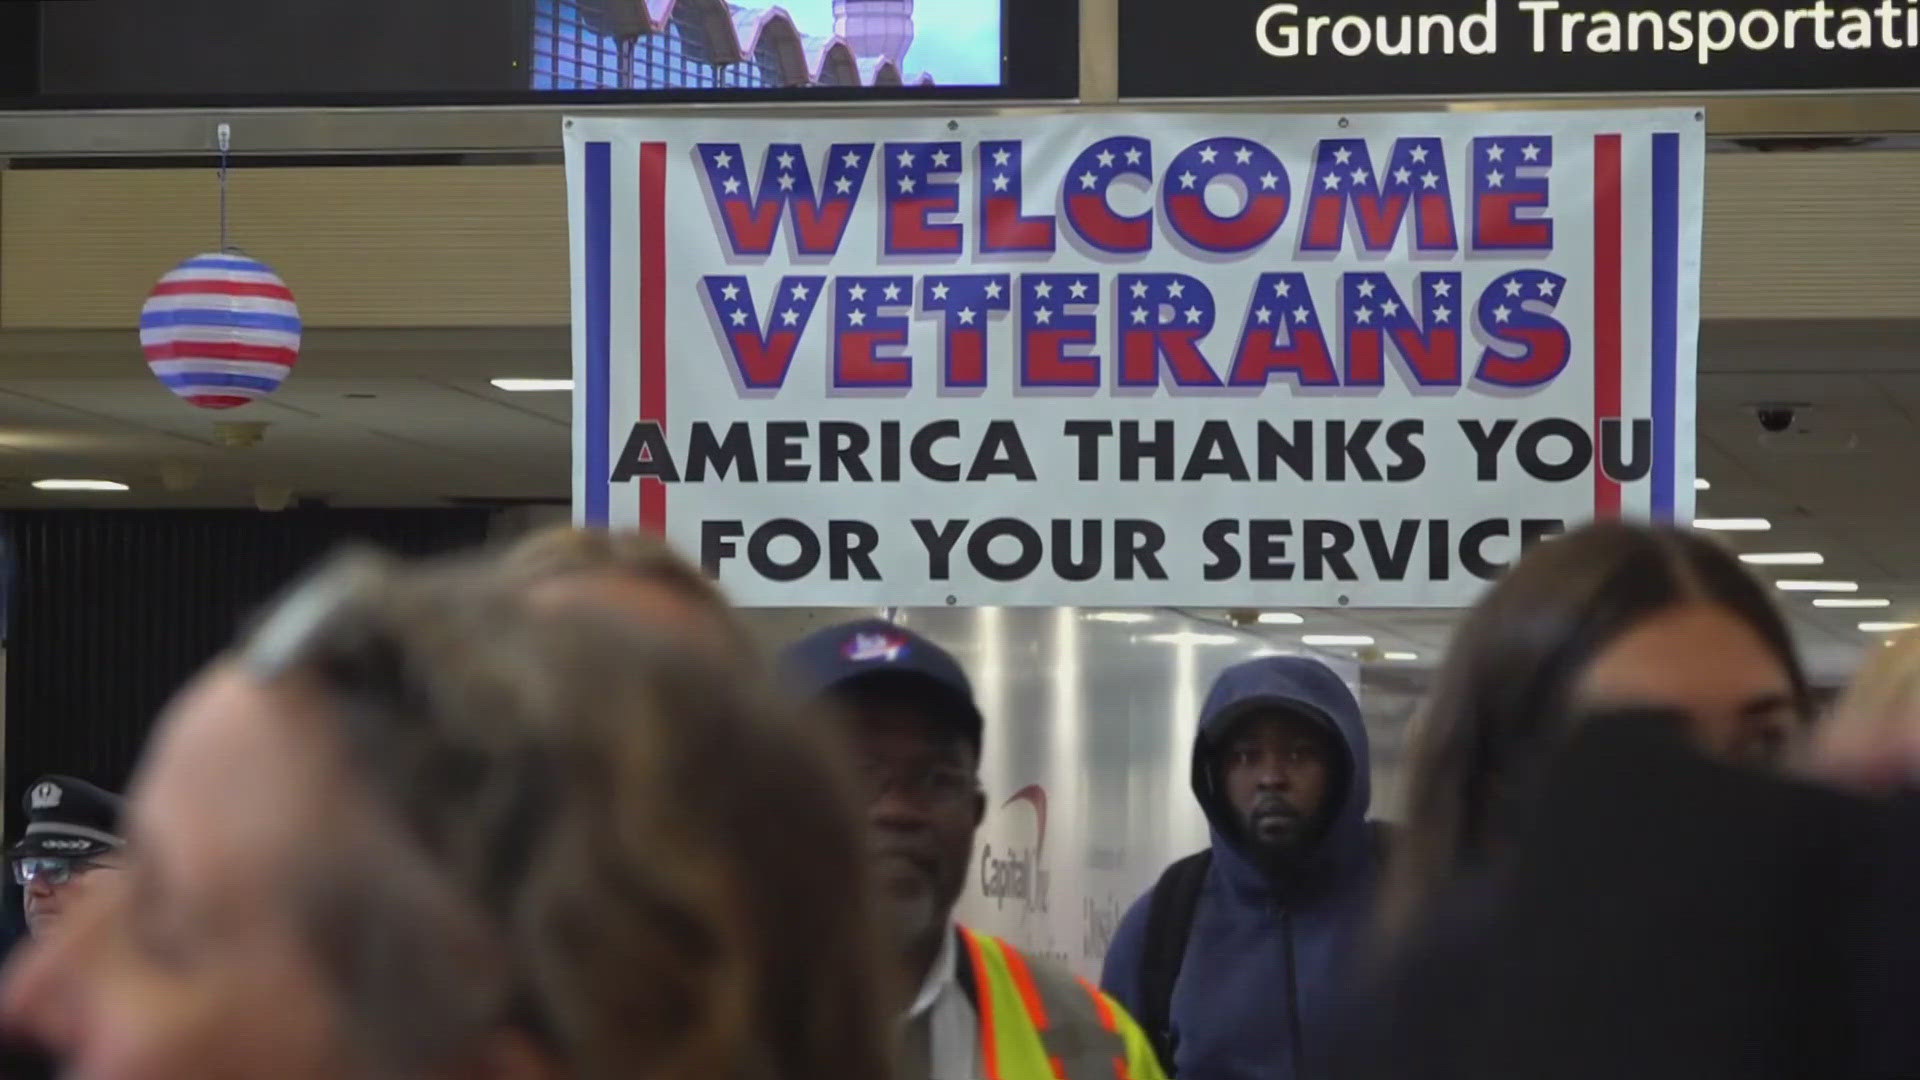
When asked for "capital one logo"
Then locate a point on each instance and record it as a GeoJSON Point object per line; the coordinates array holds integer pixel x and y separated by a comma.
{"type": "Point", "coordinates": [1015, 873]}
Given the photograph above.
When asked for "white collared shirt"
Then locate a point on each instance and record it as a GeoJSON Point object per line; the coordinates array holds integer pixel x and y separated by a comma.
{"type": "Point", "coordinates": [953, 1026]}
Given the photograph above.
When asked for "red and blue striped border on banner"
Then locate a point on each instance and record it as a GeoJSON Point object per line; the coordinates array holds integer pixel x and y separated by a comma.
{"type": "Point", "coordinates": [1607, 319]}
{"type": "Point", "coordinates": [1666, 317]}
{"type": "Point", "coordinates": [1664, 304]}
{"type": "Point", "coordinates": [597, 201]}
{"type": "Point", "coordinates": [653, 316]}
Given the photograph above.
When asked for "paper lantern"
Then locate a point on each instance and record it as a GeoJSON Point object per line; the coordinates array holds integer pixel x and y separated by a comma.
{"type": "Point", "coordinates": [221, 330]}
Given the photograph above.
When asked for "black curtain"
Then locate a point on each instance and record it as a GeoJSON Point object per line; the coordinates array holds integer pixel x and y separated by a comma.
{"type": "Point", "coordinates": [112, 610]}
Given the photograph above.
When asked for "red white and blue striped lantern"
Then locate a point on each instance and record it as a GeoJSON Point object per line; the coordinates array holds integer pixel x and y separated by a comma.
{"type": "Point", "coordinates": [221, 330]}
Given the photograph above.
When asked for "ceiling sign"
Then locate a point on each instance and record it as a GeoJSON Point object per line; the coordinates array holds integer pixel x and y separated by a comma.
{"type": "Point", "coordinates": [1374, 48]}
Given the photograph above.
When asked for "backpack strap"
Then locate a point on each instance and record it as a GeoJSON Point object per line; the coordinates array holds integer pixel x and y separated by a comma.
{"type": "Point", "coordinates": [1170, 911]}
{"type": "Point", "coordinates": [1380, 841]}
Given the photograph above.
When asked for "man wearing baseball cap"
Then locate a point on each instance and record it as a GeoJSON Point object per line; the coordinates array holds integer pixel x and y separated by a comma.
{"type": "Point", "coordinates": [976, 1005]}
{"type": "Point", "coordinates": [73, 834]}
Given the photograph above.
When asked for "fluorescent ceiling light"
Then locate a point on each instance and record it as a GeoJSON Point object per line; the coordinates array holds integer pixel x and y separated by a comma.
{"type": "Point", "coordinates": [79, 485]}
{"type": "Point", "coordinates": [1188, 637]}
{"type": "Point", "coordinates": [1817, 586]}
{"type": "Point", "coordinates": [1337, 640]}
{"type": "Point", "coordinates": [1783, 558]}
{"type": "Point", "coordinates": [1121, 616]}
{"type": "Point", "coordinates": [1280, 618]}
{"type": "Point", "coordinates": [1733, 524]}
{"type": "Point", "coordinates": [532, 386]}
{"type": "Point", "coordinates": [1400, 656]}
{"type": "Point", "coordinates": [1886, 627]}
{"type": "Point", "coordinates": [1700, 484]}
{"type": "Point", "coordinates": [1852, 602]}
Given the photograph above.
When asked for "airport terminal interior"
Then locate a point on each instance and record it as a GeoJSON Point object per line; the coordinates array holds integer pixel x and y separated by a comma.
{"type": "Point", "coordinates": [461, 325]}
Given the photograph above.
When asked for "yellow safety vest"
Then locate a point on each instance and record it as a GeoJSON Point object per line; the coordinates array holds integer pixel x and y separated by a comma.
{"type": "Point", "coordinates": [1038, 1022]}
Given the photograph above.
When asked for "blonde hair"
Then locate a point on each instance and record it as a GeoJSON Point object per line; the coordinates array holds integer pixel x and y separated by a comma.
{"type": "Point", "coordinates": [631, 850]}
{"type": "Point", "coordinates": [1871, 736]}
{"type": "Point", "coordinates": [1886, 688]}
{"type": "Point", "coordinates": [565, 551]}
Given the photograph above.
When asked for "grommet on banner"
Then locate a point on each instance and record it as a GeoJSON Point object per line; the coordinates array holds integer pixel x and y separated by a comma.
{"type": "Point", "coordinates": [1344, 122]}
{"type": "Point", "coordinates": [953, 125]}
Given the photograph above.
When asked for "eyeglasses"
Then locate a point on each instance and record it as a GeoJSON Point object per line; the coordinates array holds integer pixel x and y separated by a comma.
{"type": "Point", "coordinates": [51, 869]}
{"type": "Point", "coordinates": [929, 785]}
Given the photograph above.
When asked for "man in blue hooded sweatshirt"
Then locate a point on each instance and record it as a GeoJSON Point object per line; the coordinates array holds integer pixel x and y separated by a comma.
{"type": "Point", "coordinates": [1235, 962]}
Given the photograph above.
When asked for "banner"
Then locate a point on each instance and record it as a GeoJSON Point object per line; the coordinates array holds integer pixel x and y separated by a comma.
{"type": "Point", "coordinates": [1527, 48]}
{"type": "Point", "coordinates": [1099, 360]}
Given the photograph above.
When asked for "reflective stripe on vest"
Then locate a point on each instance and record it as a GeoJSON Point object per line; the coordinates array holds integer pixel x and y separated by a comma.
{"type": "Point", "coordinates": [1040, 1023]}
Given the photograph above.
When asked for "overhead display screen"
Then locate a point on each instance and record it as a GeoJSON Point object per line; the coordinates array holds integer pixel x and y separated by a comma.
{"type": "Point", "coordinates": [1381, 48]}
{"type": "Point", "coordinates": [135, 53]}
{"type": "Point", "coordinates": [711, 44]}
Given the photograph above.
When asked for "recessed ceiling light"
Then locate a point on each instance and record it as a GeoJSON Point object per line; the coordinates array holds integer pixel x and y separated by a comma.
{"type": "Point", "coordinates": [1886, 627]}
{"type": "Point", "coordinates": [1852, 602]}
{"type": "Point", "coordinates": [1783, 558]}
{"type": "Point", "coordinates": [79, 485]}
{"type": "Point", "coordinates": [1337, 640]}
{"type": "Point", "coordinates": [532, 386]}
{"type": "Point", "coordinates": [1280, 618]}
{"type": "Point", "coordinates": [1400, 656]}
{"type": "Point", "coordinates": [1121, 616]}
{"type": "Point", "coordinates": [1189, 637]}
{"type": "Point", "coordinates": [1700, 484]}
{"type": "Point", "coordinates": [1817, 586]}
{"type": "Point", "coordinates": [1733, 524]}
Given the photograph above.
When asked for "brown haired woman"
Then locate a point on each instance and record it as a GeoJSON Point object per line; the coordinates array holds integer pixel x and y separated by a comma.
{"type": "Point", "coordinates": [423, 825]}
{"type": "Point", "coordinates": [1613, 614]}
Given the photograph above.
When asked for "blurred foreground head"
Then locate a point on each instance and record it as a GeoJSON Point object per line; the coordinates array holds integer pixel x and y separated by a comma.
{"type": "Point", "coordinates": [1872, 740]}
{"type": "Point", "coordinates": [634, 573]}
{"type": "Point", "coordinates": [422, 825]}
{"type": "Point", "coordinates": [1611, 615]}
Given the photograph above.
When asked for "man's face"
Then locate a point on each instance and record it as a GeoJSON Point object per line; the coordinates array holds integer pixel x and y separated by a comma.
{"type": "Point", "coordinates": [46, 901]}
{"type": "Point", "coordinates": [162, 971]}
{"type": "Point", "coordinates": [924, 805]}
{"type": "Point", "coordinates": [1278, 771]}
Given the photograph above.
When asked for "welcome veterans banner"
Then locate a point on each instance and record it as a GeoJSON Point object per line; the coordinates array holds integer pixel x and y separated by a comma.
{"type": "Point", "coordinates": [1132, 359]}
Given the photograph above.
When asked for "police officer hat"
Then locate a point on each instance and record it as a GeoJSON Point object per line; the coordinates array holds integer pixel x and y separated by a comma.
{"type": "Point", "coordinates": [68, 818]}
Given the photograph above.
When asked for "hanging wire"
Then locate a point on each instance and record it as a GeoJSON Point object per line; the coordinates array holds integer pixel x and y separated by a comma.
{"type": "Point", "coordinates": [224, 136]}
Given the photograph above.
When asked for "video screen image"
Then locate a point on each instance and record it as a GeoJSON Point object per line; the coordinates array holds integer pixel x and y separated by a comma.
{"type": "Point", "coordinates": [713, 44]}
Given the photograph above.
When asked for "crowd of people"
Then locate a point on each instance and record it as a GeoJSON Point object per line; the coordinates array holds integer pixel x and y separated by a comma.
{"type": "Point", "coordinates": [550, 813]}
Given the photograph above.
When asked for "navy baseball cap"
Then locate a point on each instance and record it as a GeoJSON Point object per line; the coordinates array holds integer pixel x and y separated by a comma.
{"type": "Point", "coordinates": [68, 818]}
{"type": "Point", "coordinates": [839, 658]}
